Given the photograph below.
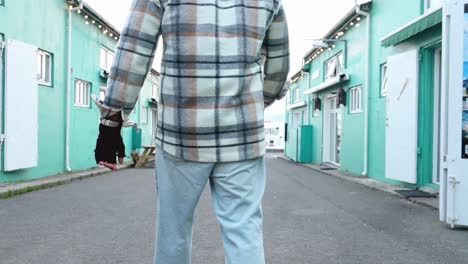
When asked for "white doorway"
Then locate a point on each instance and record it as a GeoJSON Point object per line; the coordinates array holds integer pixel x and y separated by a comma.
{"type": "Point", "coordinates": [332, 131]}
{"type": "Point", "coordinates": [437, 118]}
{"type": "Point", "coordinates": [154, 125]}
{"type": "Point", "coordinates": [2, 62]}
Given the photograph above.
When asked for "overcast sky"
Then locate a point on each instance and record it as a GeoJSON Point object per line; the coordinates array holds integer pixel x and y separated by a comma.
{"type": "Point", "coordinates": [308, 19]}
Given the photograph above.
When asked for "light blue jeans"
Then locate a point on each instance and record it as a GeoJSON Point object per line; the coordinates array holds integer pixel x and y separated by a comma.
{"type": "Point", "coordinates": [237, 189]}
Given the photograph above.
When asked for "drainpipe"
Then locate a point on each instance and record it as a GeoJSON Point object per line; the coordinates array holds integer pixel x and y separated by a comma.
{"type": "Point", "coordinates": [367, 93]}
{"type": "Point", "coordinates": [69, 76]}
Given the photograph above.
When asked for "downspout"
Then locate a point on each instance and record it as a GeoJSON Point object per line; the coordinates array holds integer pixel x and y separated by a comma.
{"type": "Point", "coordinates": [69, 76]}
{"type": "Point", "coordinates": [367, 93]}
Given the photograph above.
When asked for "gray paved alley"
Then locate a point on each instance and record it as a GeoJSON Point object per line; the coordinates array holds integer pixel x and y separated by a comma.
{"type": "Point", "coordinates": [309, 218]}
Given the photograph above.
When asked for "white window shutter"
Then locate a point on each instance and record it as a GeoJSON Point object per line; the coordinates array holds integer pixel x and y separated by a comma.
{"type": "Point", "coordinates": [21, 106]}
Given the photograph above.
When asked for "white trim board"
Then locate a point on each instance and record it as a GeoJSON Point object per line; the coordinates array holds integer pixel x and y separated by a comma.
{"type": "Point", "coordinates": [297, 105]}
{"type": "Point", "coordinates": [327, 84]}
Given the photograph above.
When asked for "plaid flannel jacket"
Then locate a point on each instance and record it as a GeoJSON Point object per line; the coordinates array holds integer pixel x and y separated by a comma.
{"type": "Point", "coordinates": [223, 62]}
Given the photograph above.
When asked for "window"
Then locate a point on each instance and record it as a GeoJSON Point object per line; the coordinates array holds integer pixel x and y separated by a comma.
{"type": "Point", "coordinates": [144, 115]}
{"type": "Point", "coordinates": [155, 91]}
{"type": "Point", "coordinates": [296, 120]}
{"type": "Point", "coordinates": [82, 93]}
{"type": "Point", "coordinates": [334, 66]}
{"type": "Point", "coordinates": [102, 93]}
{"type": "Point", "coordinates": [296, 95]}
{"type": "Point", "coordinates": [44, 68]}
{"type": "Point", "coordinates": [383, 80]}
{"type": "Point", "coordinates": [305, 119]}
{"type": "Point", "coordinates": [316, 74]}
{"type": "Point", "coordinates": [107, 57]}
{"type": "Point", "coordinates": [355, 96]}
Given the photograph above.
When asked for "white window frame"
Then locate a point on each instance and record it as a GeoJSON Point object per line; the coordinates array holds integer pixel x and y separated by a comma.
{"type": "Point", "coordinates": [106, 58]}
{"type": "Point", "coordinates": [383, 80]}
{"type": "Point", "coordinates": [144, 114]}
{"type": "Point", "coordinates": [305, 118]}
{"type": "Point", "coordinates": [102, 92]}
{"type": "Point", "coordinates": [355, 100]}
{"type": "Point", "coordinates": [296, 120]}
{"type": "Point", "coordinates": [334, 66]}
{"type": "Point", "coordinates": [155, 91]}
{"type": "Point", "coordinates": [44, 70]}
{"type": "Point", "coordinates": [297, 94]}
{"type": "Point", "coordinates": [316, 74]}
{"type": "Point", "coordinates": [82, 93]}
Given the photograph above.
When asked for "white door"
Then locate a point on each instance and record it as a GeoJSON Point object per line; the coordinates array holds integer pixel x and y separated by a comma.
{"type": "Point", "coordinates": [454, 160]}
{"type": "Point", "coordinates": [436, 127]}
{"type": "Point", "coordinates": [2, 48]}
{"type": "Point", "coordinates": [332, 131]}
{"type": "Point", "coordinates": [21, 106]}
{"type": "Point", "coordinates": [402, 117]}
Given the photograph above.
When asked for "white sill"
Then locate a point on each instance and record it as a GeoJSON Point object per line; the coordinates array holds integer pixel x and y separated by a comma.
{"type": "Point", "coordinates": [45, 84]}
{"type": "Point", "coordinates": [355, 112]}
{"type": "Point", "coordinates": [81, 106]}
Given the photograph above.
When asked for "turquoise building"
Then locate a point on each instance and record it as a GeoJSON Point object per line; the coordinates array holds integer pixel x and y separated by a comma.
{"type": "Point", "coordinates": [368, 94]}
{"type": "Point", "coordinates": [50, 64]}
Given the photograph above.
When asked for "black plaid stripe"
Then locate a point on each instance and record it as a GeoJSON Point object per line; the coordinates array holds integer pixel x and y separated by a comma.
{"type": "Point", "coordinates": [213, 82]}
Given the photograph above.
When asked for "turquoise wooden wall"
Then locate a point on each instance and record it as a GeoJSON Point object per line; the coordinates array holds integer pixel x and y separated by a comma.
{"type": "Point", "coordinates": [44, 24]}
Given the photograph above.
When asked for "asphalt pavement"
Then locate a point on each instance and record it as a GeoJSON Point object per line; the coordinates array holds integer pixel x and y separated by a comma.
{"type": "Point", "coordinates": [309, 218]}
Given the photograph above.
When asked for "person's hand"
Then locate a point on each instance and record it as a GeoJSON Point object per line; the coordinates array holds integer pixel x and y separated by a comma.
{"type": "Point", "coordinates": [109, 144]}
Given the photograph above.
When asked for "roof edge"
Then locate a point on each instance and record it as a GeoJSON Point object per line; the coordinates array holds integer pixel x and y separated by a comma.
{"type": "Point", "coordinates": [351, 15]}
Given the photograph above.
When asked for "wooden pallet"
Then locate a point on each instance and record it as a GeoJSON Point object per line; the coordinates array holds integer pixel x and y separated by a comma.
{"type": "Point", "coordinates": [149, 154]}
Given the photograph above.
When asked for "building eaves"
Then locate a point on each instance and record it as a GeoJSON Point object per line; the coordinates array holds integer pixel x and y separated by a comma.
{"type": "Point", "coordinates": [94, 15]}
{"type": "Point", "coordinates": [155, 72]}
{"type": "Point", "coordinates": [297, 76]}
{"type": "Point", "coordinates": [339, 26]}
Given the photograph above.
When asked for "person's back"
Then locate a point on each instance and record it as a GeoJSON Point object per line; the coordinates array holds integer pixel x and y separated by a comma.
{"type": "Point", "coordinates": [211, 78]}
{"type": "Point", "coordinates": [223, 62]}
{"type": "Point", "coordinates": [212, 84]}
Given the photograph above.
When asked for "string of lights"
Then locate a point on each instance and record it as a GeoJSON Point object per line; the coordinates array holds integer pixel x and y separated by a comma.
{"type": "Point", "coordinates": [355, 22]}
{"type": "Point", "coordinates": [91, 19]}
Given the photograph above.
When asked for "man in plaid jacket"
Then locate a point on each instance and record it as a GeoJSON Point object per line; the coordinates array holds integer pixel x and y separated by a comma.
{"type": "Point", "coordinates": [223, 62]}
